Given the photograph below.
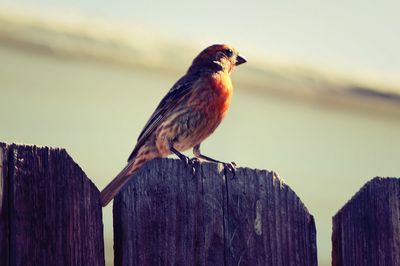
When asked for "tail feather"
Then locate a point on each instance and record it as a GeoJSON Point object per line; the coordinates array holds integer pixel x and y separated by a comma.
{"type": "Point", "coordinates": [112, 189]}
{"type": "Point", "coordinates": [145, 154]}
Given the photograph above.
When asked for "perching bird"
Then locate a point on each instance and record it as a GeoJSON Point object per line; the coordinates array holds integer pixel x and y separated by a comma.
{"type": "Point", "coordinates": [192, 109]}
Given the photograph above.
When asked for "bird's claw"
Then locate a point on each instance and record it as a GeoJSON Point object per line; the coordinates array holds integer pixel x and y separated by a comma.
{"type": "Point", "coordinates": [230, 167]}
{"type": "Point", "coordinates": [186, 161]}
{"type": "Point", "coordinates": [192, 163]}
{"type": "Point", "coordinates": [195, 160]}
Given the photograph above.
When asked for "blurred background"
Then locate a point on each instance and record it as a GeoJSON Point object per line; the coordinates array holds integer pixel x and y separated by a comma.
{"type": "Point", "coordinates": [318, 101]}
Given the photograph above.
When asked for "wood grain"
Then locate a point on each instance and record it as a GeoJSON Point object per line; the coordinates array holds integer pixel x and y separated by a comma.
{"type": "Point", "coordinates": [51, 213]}
{"type": "Point", "coordinates": [165, 216]}
{"type": "Point", "coordinates": [4, 213]}
{"type": "Point", "coordinates": [366, 231]}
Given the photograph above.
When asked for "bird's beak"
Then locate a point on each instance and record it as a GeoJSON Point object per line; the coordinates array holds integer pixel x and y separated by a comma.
{"type": "Point", "coordinates": [240, 60]}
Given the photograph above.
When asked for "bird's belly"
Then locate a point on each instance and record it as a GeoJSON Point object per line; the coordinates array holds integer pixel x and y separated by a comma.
{"type": "Point", "coordinates": [185, 129]}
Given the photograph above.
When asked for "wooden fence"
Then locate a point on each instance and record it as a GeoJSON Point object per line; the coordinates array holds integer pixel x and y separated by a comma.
{"type": "Point", "coordinates": [50, 214]}
{"type": "Point", "coordinates": [211, 219]}
{"type": "Point", "coordinates": [50, 211]}
{"type": "Point", "coordinates": [366, 231]}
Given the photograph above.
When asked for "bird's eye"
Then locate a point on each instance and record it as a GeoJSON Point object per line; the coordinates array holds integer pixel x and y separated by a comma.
{"type": "Point", "coordinates": [228, 52]}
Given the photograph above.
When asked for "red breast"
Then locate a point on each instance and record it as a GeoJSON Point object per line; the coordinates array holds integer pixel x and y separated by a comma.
{"type": "Point", "coordinates": [222, 85]}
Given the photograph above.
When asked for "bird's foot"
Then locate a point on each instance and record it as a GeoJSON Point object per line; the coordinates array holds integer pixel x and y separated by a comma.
{"type": "Point", "coordinates": [230, 167]}
{"type": "Point", "coordinates": [194, 163]}
{"type": "Point", "coordinates": [191, 163]}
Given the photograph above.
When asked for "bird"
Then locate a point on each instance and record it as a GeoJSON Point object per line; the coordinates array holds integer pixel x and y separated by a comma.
{"type": "Point", "coordinates": [190, 111]}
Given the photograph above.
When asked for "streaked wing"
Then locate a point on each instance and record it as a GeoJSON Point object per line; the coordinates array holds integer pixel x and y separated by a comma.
{"type": "Point", "coordinates": [167, 104]}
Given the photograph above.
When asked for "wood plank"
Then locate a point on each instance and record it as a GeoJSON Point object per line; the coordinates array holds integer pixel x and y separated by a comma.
{"type": "Point", "coordinates": [165, 216]}
{"type": "Point", "coordinates": [366, 231]}
{"type": "Point", "coordinates": [54, 211]}
{"type": "Point", "coordinates": [4, 213]}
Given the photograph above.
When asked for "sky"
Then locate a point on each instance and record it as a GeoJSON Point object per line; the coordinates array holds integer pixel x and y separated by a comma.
{"type": "Point", "coordinates": [355, 37]}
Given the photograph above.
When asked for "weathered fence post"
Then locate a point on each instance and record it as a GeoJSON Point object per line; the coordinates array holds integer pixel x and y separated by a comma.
{"type": "Point", "coordinates": [50, 211]}
{"type": "Point", "coordinates": [165, 216]}
{"type": "Point", "coordinates": [366, 231]}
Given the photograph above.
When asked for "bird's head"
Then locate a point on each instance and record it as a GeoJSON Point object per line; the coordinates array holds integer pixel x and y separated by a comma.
{"type": "Point", "coordinates": [218, 57]}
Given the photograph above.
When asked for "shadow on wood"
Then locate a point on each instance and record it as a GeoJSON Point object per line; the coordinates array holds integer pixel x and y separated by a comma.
{"type": "Point", "coordinates": [366, 231]}
{"type": "Point", "coordinates": [50, 212]}
{"type": "Point", "coordinates": [165, 216]}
